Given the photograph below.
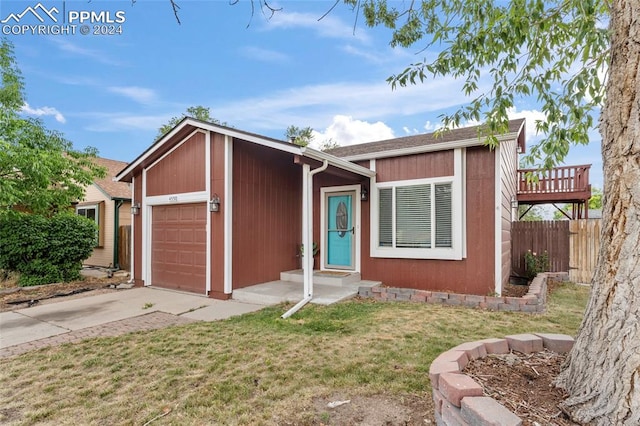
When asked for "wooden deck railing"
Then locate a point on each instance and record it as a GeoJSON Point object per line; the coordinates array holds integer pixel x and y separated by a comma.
{"type": "Point", "coordinates": [567, 179]}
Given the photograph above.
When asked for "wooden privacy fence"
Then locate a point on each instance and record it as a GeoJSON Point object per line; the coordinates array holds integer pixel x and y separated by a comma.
{"type": "Point", "coordinates": [538, 236]}
{"type": "Point", "coordinates": [124, 247]}
{"type": "Point", "coordinates": [584, 247]}
{"type": "Point", "coordinates": [572, 246]}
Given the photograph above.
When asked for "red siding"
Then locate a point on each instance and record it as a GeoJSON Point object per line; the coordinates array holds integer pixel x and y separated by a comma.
{"type": "Point", "coordinates": [473, 275]}
{"type": "Point", "coordinates": [137, 232]}
{"type": "Point", "coordinates": [418, 166]}
{"type": "Point", "coordinates": [267, 189]}
{"type": "Point", "coordinates": [183, 170]}
{"type": "Point", "coordinates": [217, 218]}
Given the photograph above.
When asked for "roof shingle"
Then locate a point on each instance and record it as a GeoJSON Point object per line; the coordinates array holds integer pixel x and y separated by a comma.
{"type": "Point", "coordinates": [463, 133]}
{"type": "Point", "coordinates": [106, 184]}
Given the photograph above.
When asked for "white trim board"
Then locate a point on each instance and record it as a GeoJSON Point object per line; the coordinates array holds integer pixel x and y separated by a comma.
{"type": "Point", "coordinates": [207, 188]}
{"type": "Point", "coordinates": [442, 146]}
{"type": "Point", "coordinates": [227, 210]}
{"type": "Point", "coordinates": [497, 222]}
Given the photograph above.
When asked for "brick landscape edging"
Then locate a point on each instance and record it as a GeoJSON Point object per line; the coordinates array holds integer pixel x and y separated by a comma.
{"type": "Point", "coordinates": [459, 400]}
{"type": "Point", "coordinates": [534, 301]}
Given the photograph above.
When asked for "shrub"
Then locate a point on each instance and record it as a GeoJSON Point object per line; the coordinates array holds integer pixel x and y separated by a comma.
{"type": "Point", "coordinates": [536, 263]}
{"type": "Point", "coordinates": [45, 250]}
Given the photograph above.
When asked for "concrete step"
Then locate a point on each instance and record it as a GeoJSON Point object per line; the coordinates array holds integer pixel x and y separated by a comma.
{"type": "Point", "coordinates": [275, 292]}
{"type": "Point", "coordinates": [333, 278]}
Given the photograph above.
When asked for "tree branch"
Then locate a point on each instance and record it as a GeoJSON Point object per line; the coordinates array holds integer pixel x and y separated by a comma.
{"type": "Point", "coordinates": [175, 7]}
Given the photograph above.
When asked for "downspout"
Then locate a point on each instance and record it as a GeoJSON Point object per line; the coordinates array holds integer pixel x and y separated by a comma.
{"type": "Point", "coordinates": [116, 234]}
{"type": "Point", "coordinates": [307, 234]}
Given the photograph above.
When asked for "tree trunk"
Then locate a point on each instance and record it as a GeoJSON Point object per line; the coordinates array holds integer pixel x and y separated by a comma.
{"type": "Point", "coordinates": [602, 373]}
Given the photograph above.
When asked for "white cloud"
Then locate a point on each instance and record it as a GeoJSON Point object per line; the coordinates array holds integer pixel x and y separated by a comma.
{"type": "Point", "coordinates": [115, 122]}
{"type": "Point", "coordinates": [432, 127]}
{"type": "Point", "coordinates": [346, 131]}
{"type": "Point", "coordinates": [531, 117]}
{"type": "Point", "coordinates": [67, 46]}
{"type": "Point", "coordinates": [328, 27]}
{"type": "Point", "coordinates": [44, 111]}
{"type": "Point", "coordinates": [373, 57]}
{"type": "Point", "coordinates": [138, 94]}
{"type": "Point", "coordinates": [264, 55]}
{"type": "Point", "coordinates": [316, 105]}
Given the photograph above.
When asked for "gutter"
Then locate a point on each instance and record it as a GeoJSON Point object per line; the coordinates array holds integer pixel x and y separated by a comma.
{"type": "Point", "coordinates": [307, 234]}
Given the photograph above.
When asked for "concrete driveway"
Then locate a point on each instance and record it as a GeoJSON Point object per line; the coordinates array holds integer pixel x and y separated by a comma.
{"type": "Point", "coordinates": [41, 322]}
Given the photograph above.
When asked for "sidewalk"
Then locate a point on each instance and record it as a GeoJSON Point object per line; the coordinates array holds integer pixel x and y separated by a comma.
{"type": "Point", "coordinates": [109, 314]}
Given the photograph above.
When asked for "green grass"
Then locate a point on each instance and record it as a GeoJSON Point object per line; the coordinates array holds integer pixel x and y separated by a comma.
{"type": "Point", "coordinates": [257, 368]}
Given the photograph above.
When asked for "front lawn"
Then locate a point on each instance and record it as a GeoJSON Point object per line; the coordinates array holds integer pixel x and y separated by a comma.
{"type": "Point", "coordinates": [258, 369]}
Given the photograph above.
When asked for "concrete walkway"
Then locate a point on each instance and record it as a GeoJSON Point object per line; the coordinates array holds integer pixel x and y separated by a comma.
{"type": "Point", "coordinates": [108, 314]}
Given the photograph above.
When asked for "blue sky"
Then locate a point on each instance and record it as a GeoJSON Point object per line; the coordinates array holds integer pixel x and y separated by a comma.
{"type": "Point", "coordinates": [257, 74]}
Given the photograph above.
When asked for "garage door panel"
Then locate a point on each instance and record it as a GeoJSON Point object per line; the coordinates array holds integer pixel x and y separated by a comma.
{"type": "Point", "coordinates": [179, 247]}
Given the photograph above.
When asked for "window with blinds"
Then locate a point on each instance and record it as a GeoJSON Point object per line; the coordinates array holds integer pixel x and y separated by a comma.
{"type": "Point", "coordinates": [422, 219]}
{"type": "Point", "coordinates": [385, 232]}
{"type": "Point", "coordinates": [443, 215]}
{"type": "Point", "coordinates": [413, 216]}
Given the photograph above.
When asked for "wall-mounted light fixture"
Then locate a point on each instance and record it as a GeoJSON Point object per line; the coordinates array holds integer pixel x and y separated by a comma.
{"type": "Point", "coordinates": [364, 194]}
{"type": "Point", "coordinates": [135, 209]}
{"type": "Point", "coordinates": [514, 202]}
{"type": "Point", "coordinates": [214, 204]}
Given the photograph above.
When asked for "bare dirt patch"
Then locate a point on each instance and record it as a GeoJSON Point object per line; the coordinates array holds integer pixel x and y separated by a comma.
{"type": "Point", "coordinates": [22, 297]}
{"type": "Point", "coordinates": [390, 410]}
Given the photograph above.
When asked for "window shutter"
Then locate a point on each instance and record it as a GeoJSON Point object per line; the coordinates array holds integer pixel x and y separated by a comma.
{"type": "Point", "coordinates": [100, 215]}
{"type": "Point", "coordinates": [385, 228]}
{"type": "Point", "coordinates": [443, 215]}
{"type": "Point", "coordinates": [413, 216]}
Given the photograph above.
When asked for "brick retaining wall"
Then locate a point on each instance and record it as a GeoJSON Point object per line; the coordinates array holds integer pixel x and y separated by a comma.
{"type": "Point", "coordinates": [534, 301]}
{"type": "Point", "coordinates": [459, 400]}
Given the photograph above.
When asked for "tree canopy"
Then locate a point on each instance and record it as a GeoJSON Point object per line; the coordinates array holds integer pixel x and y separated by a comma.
{"type": "Point", "coordinates": [553, 50]}
{"type": "Point", "coordinates": [40, 171]}
{"type": "Point", "coordinates": [198, 112]}
{"type": "Point", "coordinates": [595, 203]}
{"type": "Point", "coordinates": [299, 135]}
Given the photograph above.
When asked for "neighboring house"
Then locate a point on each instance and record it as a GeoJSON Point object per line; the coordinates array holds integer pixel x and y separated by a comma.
{"type": "Point", "coordinates": [109, 204]}
{"type": "Point", "coordinates": [222, 209]}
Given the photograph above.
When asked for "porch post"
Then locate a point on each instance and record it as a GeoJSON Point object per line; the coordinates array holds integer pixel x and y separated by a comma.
{"type": "Point", "coordinates": [307, 229]}
{"type": "Point", "coordinates": [307, 234]}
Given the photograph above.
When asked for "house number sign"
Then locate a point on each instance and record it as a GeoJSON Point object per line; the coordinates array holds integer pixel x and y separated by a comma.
{"type": "Point", "coordinates": [173, 199]}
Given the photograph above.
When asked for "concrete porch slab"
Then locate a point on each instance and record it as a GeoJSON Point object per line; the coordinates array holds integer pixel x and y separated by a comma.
{"type": "Point", "coordinates": [275, 292]}
{"type": "Point", "coordinates": [333, 278]}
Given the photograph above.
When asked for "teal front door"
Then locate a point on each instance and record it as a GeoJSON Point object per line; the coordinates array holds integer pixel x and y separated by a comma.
{"type": "Point", "coordinates": [339, 221]}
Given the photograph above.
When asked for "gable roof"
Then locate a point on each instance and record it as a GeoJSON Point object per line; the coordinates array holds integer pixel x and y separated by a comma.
{"type": "Point", "coordinates": [465, 136]}
{"type": "Point", "coordinates": [189, 125]}
{"type": "Point", "coordinates": [106, 184]}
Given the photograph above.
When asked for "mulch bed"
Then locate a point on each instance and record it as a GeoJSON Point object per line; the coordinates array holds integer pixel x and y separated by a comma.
{"type": "Point", "coordinates": [515, 290]}
{"type": "Point", "coordinates": [524, 384]}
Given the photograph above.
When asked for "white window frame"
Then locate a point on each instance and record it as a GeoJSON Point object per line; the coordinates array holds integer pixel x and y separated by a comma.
{"type": "Point", "coordinates": [96, 207]}
{"type": "Point", "coordinates": [456, 251]}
